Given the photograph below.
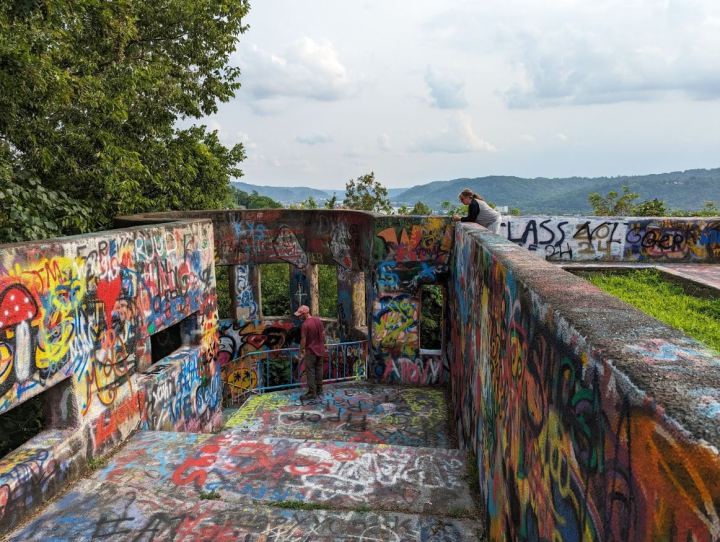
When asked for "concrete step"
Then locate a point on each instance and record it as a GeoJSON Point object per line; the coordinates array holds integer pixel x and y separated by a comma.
{"type": "Point", "coordinates": [341, 475]}
{"type": "Point", "coordinates": [119, 513]}
{"type": "Point", "coordinates": [355, 413]}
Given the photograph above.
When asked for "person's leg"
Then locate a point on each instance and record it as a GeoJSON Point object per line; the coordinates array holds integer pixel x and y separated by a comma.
{"type": "Point", "coordinates": [309, 361]}
{"type": "Point", "coordinates": [317, 375]}
{"type": "Point", "coordinates": [495, 226]}
{"type": "Point", "coordinates": [319, 370]}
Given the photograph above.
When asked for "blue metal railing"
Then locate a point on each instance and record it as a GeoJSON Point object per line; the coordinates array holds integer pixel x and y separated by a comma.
{"type": "Point", "coordinates": [283, 368]}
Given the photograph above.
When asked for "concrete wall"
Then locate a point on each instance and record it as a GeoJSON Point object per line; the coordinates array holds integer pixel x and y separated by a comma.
{"type": "Point", "coordinates": [409, 252]}
{"type": "Point", "coordinates": [396, 254]}
{"type": "Point", "coordinates": [695, 240]}
{"type": "Point", "coordinates": [77, 314]}
{"type": "Point", "coordinates": [590, 420]}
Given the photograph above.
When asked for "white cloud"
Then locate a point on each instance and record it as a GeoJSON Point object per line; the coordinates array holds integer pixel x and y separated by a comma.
{"type": "Point", "coordinates": [571, 52]}
{"type": "Point", "coordinates": [231, 138]}
{"type": "Point", "coordinates": [447, 91]}
{"type": "Point", "coordinates": [545, 59]}
{"type": "Point", "coordinates": [457, 137]}
{"type": "Point", "coordinates": [317, 138]}
{"type": "Point", "coordinates": [562, 137]}
{"type": "Point", "coordinates": [308, 69]}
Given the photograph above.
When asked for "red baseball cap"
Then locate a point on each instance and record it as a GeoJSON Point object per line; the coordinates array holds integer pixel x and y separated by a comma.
{"type": "Point", "coordinates": [302, 309]}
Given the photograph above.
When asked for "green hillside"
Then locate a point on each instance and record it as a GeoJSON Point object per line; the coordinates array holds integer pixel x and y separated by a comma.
{"type": "Point", "coordinates": [287, 194]}
{"type": "Point", "coordinates": [680, 190]}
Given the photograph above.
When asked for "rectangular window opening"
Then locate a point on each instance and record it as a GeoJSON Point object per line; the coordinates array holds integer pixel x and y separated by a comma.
{"type": "Point", "coordinates": [275, 289]}
{"type": "Point", "coordinates": [222, 287]}
{"type": "Point", "coordinates": [327, 291]}
{"type": "Point", "coordinates": [165, 342]}
{"type": "Point", "coordinates": [22, 423]}
{"type": "Point", "coordinates": [432, 301]}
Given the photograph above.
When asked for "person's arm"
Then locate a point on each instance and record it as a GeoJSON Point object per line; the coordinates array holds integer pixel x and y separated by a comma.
{"type": "Point", "coordinates": [473, 210]}
{"type": "Point", "coordinates": [303, 334]}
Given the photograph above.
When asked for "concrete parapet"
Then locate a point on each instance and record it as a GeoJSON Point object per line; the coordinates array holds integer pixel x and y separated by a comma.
{"type": "Point", "coordinates": [590, 420]}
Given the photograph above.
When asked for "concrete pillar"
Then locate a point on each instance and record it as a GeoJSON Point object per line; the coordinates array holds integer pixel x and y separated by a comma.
{"type": "Point", "coordinates": [245, 292]}
{"type": "Point", "coordinates": [345, 303]}
{"type": "Point", "coordinates": [312, 278]}
{"type": "Point", "coordinates": [358, 300]}
{"type": "Point", "coordinates": [299, 288]}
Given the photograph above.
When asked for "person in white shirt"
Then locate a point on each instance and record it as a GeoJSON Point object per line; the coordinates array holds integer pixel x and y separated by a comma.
{"type": "Point", "coordinates": [479, 211]}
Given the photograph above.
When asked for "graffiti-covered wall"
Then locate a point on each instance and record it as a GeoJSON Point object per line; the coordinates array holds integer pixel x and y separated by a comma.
{"type": "Point", "coordinates": [590, 420]}
{"type": "Point", "coordinates": [395, 255]}
{"type": "Point", "coordinates": [302, 239]}
{"type": "Point", "coordinates": [76, 319]}
{"type": "Point", "coordinates": [409, 252]}
{"type": "Point", "coordinates": [617, 238]}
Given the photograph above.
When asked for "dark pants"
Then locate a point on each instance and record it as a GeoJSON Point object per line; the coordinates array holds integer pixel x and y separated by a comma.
{"type": "Point", "coordinates": [314, 373]}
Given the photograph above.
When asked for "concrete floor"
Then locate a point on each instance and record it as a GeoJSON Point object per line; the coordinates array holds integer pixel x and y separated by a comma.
{"type": "Point", "coordinates": [364, 463]}
{"type": "Point", "coordinates": [356, 413]}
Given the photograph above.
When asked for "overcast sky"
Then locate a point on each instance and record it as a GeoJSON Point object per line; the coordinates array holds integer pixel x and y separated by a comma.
{"type": "Point", "coordinates": [427, 90]}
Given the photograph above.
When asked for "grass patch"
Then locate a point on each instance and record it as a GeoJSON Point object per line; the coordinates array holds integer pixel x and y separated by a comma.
{"type": "Point", "coordinates": [459, 513]}
{"type": "Point", "coordinates": [96, 463]}
{"type": "Point", "coordinates": [209, 495]}
{"type": "Point", "coordinates": [300, 505]}
{"type": "Point", "coordinates": [647, 290]}
{"type": "Point", "coordinates": [473, 473]}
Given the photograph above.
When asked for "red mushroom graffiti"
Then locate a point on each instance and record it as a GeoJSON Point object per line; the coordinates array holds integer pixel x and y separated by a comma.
{"type": "Point", "coordinates": [17, 310]}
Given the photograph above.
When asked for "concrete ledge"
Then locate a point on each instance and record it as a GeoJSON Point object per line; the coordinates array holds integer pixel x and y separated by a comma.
{"type": "Point", "coordinates": [589, 418]}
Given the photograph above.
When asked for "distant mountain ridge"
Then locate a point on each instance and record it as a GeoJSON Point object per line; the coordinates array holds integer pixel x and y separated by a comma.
{"type": "Point", "coordinates": [685, 190]}
{"type": "Point", "coordinates": [288, 194]}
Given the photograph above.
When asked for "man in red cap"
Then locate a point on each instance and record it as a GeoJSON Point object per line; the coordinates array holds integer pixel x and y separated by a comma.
{"type": "Point", "coordinates": [312, 350]}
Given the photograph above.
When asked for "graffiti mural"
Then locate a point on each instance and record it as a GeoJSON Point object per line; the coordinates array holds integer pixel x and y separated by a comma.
{"type": "Point", "coordinates": [86, 310]}
{"type": "Point", "coordinates": [616, 239]}
{"type": "Point", "coordinates": [567, 448]}
{"type": "Point", "coordinates": [279, 469]}
{"type": "Point", "coordinates": [410, 252]}
{"type": "Point", "coordinates": [181, 396]}
{"type": "Point", "coordinates": [81, 312]}
{"type": "Point", "coordinates": [249, 241]}
{"type": "Point", "coordinates": [245, 303]}
{"type": "Point", "coordinates": [237, 340]}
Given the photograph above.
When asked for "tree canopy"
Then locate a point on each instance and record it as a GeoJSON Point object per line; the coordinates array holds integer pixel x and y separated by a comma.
{"type": "Point", "coordinates": [418, 209]}
{"type": "Point", "coordinates": [626, 204]}
{"type": "Point", "coordinates": [367, 194]}
{"type": "Point", "coordinates": [95, 98]}
{"type": "Point", "coordinates": [253, 200]}
{"type": "Point", "coordinates": [614, 204]}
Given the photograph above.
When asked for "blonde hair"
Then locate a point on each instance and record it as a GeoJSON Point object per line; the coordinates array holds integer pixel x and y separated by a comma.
{"type": "Point", "coordinates": [467, 193]}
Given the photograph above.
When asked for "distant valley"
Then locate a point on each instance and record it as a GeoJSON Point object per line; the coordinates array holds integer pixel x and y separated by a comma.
{"type": "Point", "coordinates": [686, 190]}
